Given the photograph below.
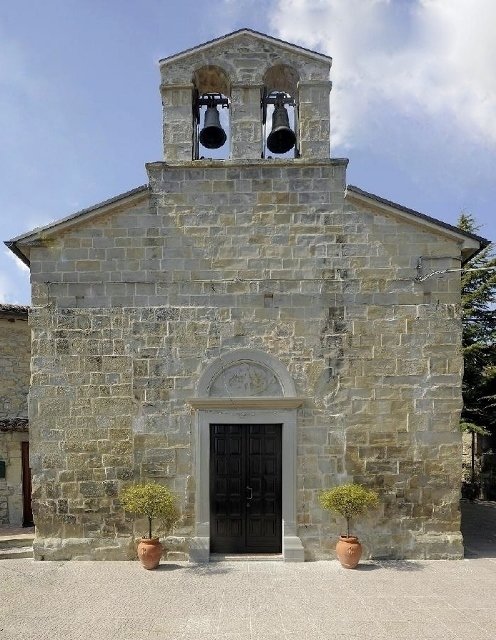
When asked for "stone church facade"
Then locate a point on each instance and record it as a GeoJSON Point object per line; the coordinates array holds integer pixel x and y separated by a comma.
{"type": "Point", "coordinates": [248, 331]}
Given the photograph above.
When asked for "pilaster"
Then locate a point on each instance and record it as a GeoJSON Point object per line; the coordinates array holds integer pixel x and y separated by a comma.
{"type": "Point", "coordinates": [246, 129]}
{"type": "Point", "coordinates": [314, 118]}
{"type": "Point", "coordinates": [177, 102]}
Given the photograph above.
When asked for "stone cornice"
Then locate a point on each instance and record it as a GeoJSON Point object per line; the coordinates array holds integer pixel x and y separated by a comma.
{"type": "Point", "coordinates": [246, 403]}
{"type": "Point", "coordinates": [267, 164]}
{"type": "Point", "coordinates": [470, 243]}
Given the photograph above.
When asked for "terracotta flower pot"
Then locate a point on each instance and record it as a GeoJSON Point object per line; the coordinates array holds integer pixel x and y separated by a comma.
{"type": "Point", "coordinates": [149, 552]}
{"type": "Point", "coordinates": [348, 551]}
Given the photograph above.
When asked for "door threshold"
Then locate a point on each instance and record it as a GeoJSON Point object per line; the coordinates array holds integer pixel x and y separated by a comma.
{"type": "Point", "coordinates": [246, 557]}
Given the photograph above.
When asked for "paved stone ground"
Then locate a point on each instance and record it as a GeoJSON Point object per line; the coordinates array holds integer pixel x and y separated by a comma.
{"type": "Point", "coordinates": [445, 600]}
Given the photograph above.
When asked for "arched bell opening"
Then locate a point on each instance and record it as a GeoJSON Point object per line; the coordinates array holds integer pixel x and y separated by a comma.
{"type": "Point", "coordinates": [211, 105]}
{"type": "Point", "coordinates": [280, 112]}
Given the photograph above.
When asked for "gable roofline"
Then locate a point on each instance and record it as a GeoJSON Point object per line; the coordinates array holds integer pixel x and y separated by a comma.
{"type": "Point", "coordinates": [252, 32]}
{"type": "Point", "coordinates": [86, 214]}
{"type": "Point", "coordinates": [472, 243]}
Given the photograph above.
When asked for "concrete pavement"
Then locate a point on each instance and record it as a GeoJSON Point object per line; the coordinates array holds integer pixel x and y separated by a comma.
{"type": "Point", "coordinates": [445, 600]}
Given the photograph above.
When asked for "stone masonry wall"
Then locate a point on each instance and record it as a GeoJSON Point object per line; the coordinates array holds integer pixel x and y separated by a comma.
{"type": "Point", "coordinates": [15, 354]}
{"type": "Point", "coordinates": [245, 255]}
{"type": "Point", "coordinates": [11, 506]}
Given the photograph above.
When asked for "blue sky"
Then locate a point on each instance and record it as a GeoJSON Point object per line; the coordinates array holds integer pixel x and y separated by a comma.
{"type": "Point", "coordinates": [413, 100]}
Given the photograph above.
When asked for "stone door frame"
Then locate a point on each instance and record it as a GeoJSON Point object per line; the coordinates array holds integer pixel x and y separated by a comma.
{"type": "Point", "coordinates": [246, 410]}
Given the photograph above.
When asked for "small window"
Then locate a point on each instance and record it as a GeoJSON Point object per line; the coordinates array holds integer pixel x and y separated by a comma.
{"type": "Point", "coordinates": [2, 469]}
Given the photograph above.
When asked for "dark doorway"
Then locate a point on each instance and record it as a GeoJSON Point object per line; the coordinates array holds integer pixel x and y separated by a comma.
{"type": "Point", "coordinates": [479, 528]}
{"type": "Point", "coordinates": [245, 488]}
{"type": "Point", "coordinates": [27, 513]}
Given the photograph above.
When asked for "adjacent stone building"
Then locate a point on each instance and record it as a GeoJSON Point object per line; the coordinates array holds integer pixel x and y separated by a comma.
{"type": "Point", "coordinates": [15, 353]}
{"type": "Point", "coordinates": [247, 330]}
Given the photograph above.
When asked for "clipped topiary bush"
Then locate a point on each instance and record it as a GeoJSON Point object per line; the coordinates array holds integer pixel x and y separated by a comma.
{"type": "Point", "coordinates": [152, 500]}
{"type": "Point", "coordinates": [349, 500]}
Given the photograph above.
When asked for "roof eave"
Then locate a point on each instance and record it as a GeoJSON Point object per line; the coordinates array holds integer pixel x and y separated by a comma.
{"type": "Point", "coordinates": [471, 244]}
{"type": "Point", "coordinates": [16, 251]}
{"type": "Point", "coordinates": [40, 233]}
{"type": "Point", "coordinates": [16, 311]}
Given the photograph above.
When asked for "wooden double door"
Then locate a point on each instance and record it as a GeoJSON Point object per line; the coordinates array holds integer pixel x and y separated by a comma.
{"type": "Point", "coordinates": [245, 488]}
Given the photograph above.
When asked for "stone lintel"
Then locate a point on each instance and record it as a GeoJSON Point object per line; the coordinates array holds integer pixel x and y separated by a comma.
{"type": "Point", "coordinates": [264, 402]}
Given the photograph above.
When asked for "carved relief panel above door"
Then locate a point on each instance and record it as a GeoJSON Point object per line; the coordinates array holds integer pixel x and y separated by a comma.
{"type": "Point", "coordinates": [245, 379]}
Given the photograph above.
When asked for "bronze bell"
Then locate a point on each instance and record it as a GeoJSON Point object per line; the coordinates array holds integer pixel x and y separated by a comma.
{"type": "Point", "coordinates": [212, 136]}
{"type": "Point", "coordinates": [282, 138]}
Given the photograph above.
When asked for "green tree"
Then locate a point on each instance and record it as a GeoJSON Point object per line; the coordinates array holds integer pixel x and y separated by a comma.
{"type": "Point", "coordinates": [349, 500]}
{"type": "Point", "coordinates": [152, 500]}
{"type": "Point", "coordinates": [479, 339]}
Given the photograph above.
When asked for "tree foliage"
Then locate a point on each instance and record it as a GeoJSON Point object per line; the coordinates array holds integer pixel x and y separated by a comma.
{"type": "Point", "coordinates": [349, 500]}
{"type": "Point", "coordinates": [152, 500]}
{"type": "Point", "coordinates": [479, 337]}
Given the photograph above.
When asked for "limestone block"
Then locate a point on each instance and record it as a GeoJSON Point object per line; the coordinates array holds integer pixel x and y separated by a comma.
{"type": "Point", "coordinates": [83, 549]}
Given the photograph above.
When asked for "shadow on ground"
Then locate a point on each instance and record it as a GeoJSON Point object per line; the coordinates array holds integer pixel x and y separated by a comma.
{"type": "Point", "coordinates": [199, 569]}
{"type": "Point", "coordinates": [170, 566]}
{"type": "Point", "coordinates": [367, 567]}
{"type": "Point", "coordinates": [402, 565]}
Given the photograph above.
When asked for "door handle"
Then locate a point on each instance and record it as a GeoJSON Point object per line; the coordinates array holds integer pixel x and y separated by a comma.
{"type": "Point", "coordinates": [250, 497]}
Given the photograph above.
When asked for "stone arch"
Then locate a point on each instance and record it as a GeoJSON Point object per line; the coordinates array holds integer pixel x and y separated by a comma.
{"type": "Point", "coordinates": [211, 87]}
{"type": "Point", "coordinates": [280, 82]}
{"type": "Point", "coordinates": [259, 373]}
{"type": "Point", "coordinates": [211, 78]}
{"type": "Point", "coordinates": [281, 77]}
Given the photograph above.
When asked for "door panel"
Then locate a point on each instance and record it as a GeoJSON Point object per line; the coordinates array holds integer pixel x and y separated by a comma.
{"type": "Point", "coordinates": [245, 488]}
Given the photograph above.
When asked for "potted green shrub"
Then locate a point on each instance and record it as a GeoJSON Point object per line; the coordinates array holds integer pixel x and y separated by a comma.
{"type": "Point", "coordinates": [349, 500]}
{"type": "Point", "coordinates": [155, 502]}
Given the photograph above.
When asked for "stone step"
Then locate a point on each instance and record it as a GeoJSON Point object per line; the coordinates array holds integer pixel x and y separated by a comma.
{"type": "Point", "coordinates": [7, 542]}
{"type": "Point", "coordinates": [13, 553]}
{"type": "Point", "coordinates": [246, 557]}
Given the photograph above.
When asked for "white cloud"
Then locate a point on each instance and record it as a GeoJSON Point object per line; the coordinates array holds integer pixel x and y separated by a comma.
{"type": "Point", "coordinates": [14, 279]}
{"type": "Point", "coordinates": [4, 289]}
{"type": "Point", "coordinates": [421, 58]}
{"type": "Point", "coordinates": [13, 290]}
{"type": "Point", "coordinates": [18, 263]}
